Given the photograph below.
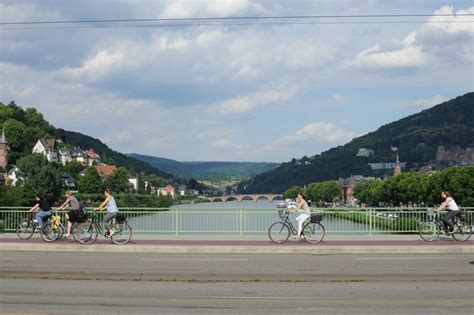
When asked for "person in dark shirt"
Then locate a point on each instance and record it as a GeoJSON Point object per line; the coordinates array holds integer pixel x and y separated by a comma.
{"type": "Point", "coordinates": [41, 204]}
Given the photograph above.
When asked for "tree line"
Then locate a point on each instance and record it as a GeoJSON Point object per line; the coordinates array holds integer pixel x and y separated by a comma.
{"type": "Point", "coordinates": [405, 189]}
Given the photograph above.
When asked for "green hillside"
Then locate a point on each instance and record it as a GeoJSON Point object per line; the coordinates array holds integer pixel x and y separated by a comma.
{"type": "Point", "coordinates": [417, 137]}
{"type": "Point", "coordinates": [207, 170]}
{"type": "Point", "coordinates": [23, 128]}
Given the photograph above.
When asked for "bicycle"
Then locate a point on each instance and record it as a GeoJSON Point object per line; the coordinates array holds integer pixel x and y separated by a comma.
{"type": "Point", "coordinates": [53, 229]}
{"type": "Point", "coordinates": [313, 231]}
{"type": "Point", "coordinates": [88, 231]}
{"type": "Point", "coordinates": [430, 229]}
{"type": "Point", "coordinates": [27, 227]}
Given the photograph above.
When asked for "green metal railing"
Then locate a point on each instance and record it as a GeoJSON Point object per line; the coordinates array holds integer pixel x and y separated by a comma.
{"type": "Point", "coordinates": [255, 221]}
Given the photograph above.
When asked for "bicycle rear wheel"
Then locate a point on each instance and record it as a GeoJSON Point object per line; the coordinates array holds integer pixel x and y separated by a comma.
{"type": "Point", "coordinates": [86, 233]}
{"type": "Point", "coordinates": [429, 231]}
{"type": "Point", "coordinates": [278, 232]}
{"type": "Point", "coordinates": [463, 232]}
{"type": "Point", "coordinates": [122, 233]}
{"type": "Point", "coordinates": [313, 232]}
{"type": "Point", "coordinates": [25, 229]}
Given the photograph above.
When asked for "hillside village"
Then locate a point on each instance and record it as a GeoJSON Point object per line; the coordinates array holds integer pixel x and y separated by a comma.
{"type": "Point", "coordinates": [55, 151]}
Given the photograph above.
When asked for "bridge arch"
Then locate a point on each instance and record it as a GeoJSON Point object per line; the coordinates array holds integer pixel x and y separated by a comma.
{"type": "Point", "coordinates": [262, 197]}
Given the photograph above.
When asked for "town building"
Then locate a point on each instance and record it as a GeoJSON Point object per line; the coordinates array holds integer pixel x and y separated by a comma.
{"type": "Point", "coordinates": [3, 151]}
{"type": "Point", "coordinates": [365, 152]}
{"type": "Point", "coordinates": [347, 186]}
{"type": "Point", "coordinates": [49, 148]}
{"type": "Point", "coordinates": [169, 190]}
{"type": "Point", "coordinates": [455, 155]}
{"type": "Point", "coordinates": [105, 170]}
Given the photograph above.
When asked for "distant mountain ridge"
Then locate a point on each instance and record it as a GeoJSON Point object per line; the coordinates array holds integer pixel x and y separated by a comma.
{"type": "Point", "coordinates": [207, 170]}
{"type": "Point", "coordinates": [417, 136]}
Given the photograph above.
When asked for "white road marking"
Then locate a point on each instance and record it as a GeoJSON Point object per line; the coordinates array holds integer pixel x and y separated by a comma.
{"type": "Point", "coordinates": [402, 258]}
{"type": "Point", "coordinates": [195, 259]}
{"type": "Point", "coordinates": [16, 258]}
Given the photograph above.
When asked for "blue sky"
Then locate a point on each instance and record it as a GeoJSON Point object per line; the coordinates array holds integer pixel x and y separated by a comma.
{"type": "Point", "coordinates": [233, 93]}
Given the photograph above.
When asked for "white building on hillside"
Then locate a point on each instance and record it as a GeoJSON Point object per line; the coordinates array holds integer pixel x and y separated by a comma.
{"type": "Point", "coordinates": [47, 147]}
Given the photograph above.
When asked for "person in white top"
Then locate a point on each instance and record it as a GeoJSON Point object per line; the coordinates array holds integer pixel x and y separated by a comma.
{"type": "Point", "coordinates": [453, 210]}
{"type": "Point", "coordinates": [112, 211]}
{"type": "Point", "coordinates": [302, 206]}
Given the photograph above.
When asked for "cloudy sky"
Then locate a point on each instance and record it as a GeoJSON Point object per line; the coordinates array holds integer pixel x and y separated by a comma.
{"type": "Point", "coordinates": [233, 92]}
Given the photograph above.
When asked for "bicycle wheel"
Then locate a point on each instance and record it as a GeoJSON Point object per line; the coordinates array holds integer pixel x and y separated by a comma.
{"type": "Point", "coordinates": [429, 231]}
{"type": "Point", "coordinates": [74, 230]}
{"type": "Point", "coordinates": [313, 233]}
{"type": "Point", "coordinates": [25, 229]}
{"type": "Point", "coordinates": [86, 233]}
{"type": "Point", "coordinates": [278, 232]}
{"type": "Point", "coordinates": [122, 233]}
{"type": "Point", "coordinates": [463, 233]}
{"type": "Point", "coordinates": [50, 232]}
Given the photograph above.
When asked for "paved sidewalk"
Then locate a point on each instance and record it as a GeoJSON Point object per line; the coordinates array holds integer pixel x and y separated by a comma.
{"type": "Point", "coordinates": [247, 244]}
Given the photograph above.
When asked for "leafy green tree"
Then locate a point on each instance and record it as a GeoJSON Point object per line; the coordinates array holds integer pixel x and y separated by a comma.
{"type": "Point", "coordinates": [91, 182]}
{"type": "Point", "coordinates": [141, 184]}
{"type": "Point", "coordinates": [118, 181]}
{"type": "Point", "coordinates": [40, 177]}
{"type": "Point", "coordinates": [292, 192]}
{"type": "Point", "coordinates": [328, 191]}
{"type": "Point", "coordinates": [73, 168]}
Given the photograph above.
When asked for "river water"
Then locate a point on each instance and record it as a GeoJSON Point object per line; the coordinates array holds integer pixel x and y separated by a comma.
{"type": "Point", "coordinates": [247, 217]}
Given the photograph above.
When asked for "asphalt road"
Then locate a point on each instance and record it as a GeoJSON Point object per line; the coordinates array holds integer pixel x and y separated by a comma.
{"type": "Point", "coordinates": [62, 283]}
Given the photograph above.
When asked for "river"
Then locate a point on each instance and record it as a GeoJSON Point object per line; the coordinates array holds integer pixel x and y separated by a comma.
{"type": "Point", "coordinates": [247, 217]}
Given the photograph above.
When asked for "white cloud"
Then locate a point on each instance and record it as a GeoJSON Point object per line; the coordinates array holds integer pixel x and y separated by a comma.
{"type": "Point", "coordinates": [251, 102]}
{"type": "Point", "coordinates": [227, 144]}
{"type": "Point", "coordinates": [214, 8]}
{"type": "Point", "coordinates": [386, 56]}
{"type": "Point", "coordinates": [436, 41]}
{"type": "Point", "coordinates": [310, 135]}
{"type": "Point", "coordinates": [426, 102]}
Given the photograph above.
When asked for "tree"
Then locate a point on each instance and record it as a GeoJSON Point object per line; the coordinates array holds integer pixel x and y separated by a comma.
{"type": "Point", "coordinates": [118, 181]}
{"type": "Point", "coordinates": [141, 184]}
{"type": "Point", "coordinates": [292, 192]}
{"type": "Point", "coordinates": [91, 182]}
{"type": "Point", "coordinates": [328, 191]}
{"type": "Point", "coordinates": [40, 177]}
{"type": "Point", "coordinates": [73, 168]}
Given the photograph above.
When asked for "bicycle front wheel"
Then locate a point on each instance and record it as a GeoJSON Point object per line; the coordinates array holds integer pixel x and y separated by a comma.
{"type": "Point", "coordinates": [25, 229]}
{"type": "Point", "coordinates": [463, 232]}
{"type": "Point", "coordinates": [122, 233]}
{"type": "Point", "coordinates": [429, 231]}
{"type": "Point", "coordinates": [313, 232]}
{"type": "Point", "coordinates": [278, 232]}
{"type": "Point", "coordinates": [86, 233]}
{"type": "Point", "coordinates": [50, 232]}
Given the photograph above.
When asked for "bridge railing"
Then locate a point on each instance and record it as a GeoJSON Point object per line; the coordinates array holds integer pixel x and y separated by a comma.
{"type": "Point", "coordinates": [254, 221]}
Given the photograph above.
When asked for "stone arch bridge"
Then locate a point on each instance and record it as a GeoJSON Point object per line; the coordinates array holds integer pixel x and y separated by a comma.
{"type": "Point", "coordinates": [240, 198]}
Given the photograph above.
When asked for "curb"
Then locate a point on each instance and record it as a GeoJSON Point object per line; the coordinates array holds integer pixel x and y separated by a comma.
{"type": "Point", "coordinates": [265, 250]}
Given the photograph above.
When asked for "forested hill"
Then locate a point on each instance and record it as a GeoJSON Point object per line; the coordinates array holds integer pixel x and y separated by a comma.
{"type": "Point", "coordinates": [130, 163]}
{"type": "Point", "coordinates": [23, 128]}
{"type": "Point", "coordinates": [207, 170]}
{"type": "Point", "coordinates": [417, 136]}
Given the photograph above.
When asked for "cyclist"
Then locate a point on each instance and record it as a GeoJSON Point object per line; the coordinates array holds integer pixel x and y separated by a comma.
{"type": "Point", "coordinates": [453, 210]}
{"type": "Point", "coordinates": [73, 216]}
{"type": "Point", "coordinates": [302, 201]}
{"type": "Point", "coordinates": [45, 212]}
{"type": "Point", "coordinates": [112, 211]}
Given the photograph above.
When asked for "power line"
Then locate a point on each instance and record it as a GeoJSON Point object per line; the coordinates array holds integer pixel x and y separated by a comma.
{"type": "Point", "coordinates": [227, 24]}
{"type": "Point", "coordinates": [237, 18]}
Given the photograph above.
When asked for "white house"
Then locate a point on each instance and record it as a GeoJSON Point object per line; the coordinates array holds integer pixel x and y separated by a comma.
{"type": "Point", "coordinates": [48, 148]}
{"type": "Point", "coordinates": [365, 152]}
{"type": "Point", "coordinates": [13, 176]}
{"type": "Point", "coordinates": [133, 182]}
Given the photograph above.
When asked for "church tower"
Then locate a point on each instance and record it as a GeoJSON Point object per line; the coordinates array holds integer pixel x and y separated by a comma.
{"type": "Point", "coordinates": [3, 151]}
{"type": "Point", "coordinates": [398, 168]}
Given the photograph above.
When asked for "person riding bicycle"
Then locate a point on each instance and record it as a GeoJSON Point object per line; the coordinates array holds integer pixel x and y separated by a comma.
{"type": "Point", "coordinates": [112, 210]}
{"type": "Point", "coordinates": [73, 216]}
{"type": "Point", "coordinates": [302, 206]}
{"type": "Point", "coordinates": [45, 212]}
{"type": "Point", "coordinates": [453, 211]}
